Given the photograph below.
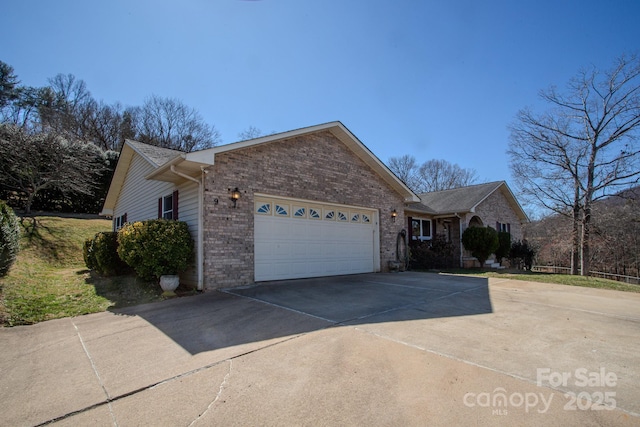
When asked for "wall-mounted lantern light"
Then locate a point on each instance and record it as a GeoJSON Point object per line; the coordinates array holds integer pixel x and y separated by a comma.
{"type": "Point", "coordinates": [394, 214]}
{"type": "Point", "coordinates": [235, 195]}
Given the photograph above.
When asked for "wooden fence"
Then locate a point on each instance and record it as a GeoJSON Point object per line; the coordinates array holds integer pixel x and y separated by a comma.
{"type": "Point", "coordinates": [565, 270]}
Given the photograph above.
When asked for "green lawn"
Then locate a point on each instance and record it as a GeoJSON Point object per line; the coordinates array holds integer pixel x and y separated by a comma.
{"type": "Point", "coordinates": [562, 279]}
{"type": "Point", "coordinates": [49, 279]}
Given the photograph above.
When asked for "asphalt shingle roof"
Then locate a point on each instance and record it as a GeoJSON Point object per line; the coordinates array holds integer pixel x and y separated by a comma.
{"type": "Point", "coordinates": [455, 200]}
{"type": "Point", "coordinates": [157, 155]}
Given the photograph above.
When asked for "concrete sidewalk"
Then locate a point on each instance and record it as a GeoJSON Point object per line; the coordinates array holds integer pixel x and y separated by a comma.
{"type": "Point", "coordinates": [396, 349]}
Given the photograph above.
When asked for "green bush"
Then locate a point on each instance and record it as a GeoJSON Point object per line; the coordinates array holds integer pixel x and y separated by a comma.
{"type": "Point", "coordinates": [481, 241]}
{"type": "Point", "coordinates": [101, 254]}
{"type": "Point", "coordinates": [434, 253]}
{"type": "Point", "coordinates": [504, 245]}
{"type": "Point", "coordinates": [156, 247]}
{"type": "Point", "coordinates": [9, 238]}
{"type": "Point", "coordinates": [88, 254]}
{"type": "Point", "coordinates": [521, 255]}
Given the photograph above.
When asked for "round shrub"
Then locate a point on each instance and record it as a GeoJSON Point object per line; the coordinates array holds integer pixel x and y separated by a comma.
{"type": "Point", "coordinates": [481, 241]}
{"type": "Point", "coordinates": [156, 247]}
{"type": "Point", "coordinates": [9, 238]}
{"type": "Point", "coordinates": [105, 251]}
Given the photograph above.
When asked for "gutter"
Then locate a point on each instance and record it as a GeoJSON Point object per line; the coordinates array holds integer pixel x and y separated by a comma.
{"type": "Point", "coordinates": [200, 242]}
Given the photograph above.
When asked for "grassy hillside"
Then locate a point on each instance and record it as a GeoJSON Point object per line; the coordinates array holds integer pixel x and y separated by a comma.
{"type": "Point", "coordinates": [49, 279]}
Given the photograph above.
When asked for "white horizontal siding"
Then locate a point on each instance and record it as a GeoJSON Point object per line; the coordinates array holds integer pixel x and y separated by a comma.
{"type": "Point", "coordinates": [139, 200]}
{"type": "Point", "coordinates": [188, 212]}
{"type": "Point", "coordinates": [139, 197]}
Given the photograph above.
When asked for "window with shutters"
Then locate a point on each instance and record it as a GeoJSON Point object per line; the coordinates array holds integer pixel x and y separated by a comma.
{"type": "Point", "coordinates": [168, 206]}
{"type": "Point", "coordinates": [420, 229]}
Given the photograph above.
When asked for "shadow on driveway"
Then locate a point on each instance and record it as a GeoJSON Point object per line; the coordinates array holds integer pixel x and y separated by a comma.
{"type": "Point", "coordinates": [271, 310]}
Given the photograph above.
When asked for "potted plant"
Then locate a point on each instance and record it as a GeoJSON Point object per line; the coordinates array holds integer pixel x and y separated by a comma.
{"type": "Point", "coordinates": [157, 249]}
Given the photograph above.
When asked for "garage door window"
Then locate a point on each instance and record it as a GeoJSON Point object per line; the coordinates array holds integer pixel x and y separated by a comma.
{"type": "Point", "coordinates": [282, 210]}
{"type": "Point", "coordinates": [263, 208]}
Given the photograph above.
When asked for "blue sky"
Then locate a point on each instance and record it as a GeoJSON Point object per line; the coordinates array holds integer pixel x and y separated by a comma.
{"type": "Point", "coordinates": [435, 79]}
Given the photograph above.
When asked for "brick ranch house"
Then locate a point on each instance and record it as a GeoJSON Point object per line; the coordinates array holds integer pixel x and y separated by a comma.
{"type": "Point", "coordinates": [305, 203]}
{"type": "Point", "coordinates": [450, 212]}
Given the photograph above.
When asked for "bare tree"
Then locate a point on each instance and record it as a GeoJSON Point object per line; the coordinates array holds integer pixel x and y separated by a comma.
{"type": "Point", "coordinates": [584, 148]}
{"type": "Point", "coordinates": [33, 162]}
{"type": "Point", "coordinates": [438, 175]}
{"type": "Point", "coordinates": [406, 168]}
{"type": "Point", "coordinates": [68, 107]}
{"type": "Point", "coordinates": [250, 133]}
{"type": "Point", "coordinates": [168, 123]}
{"type": "Point", "coordinates": [432, 175]}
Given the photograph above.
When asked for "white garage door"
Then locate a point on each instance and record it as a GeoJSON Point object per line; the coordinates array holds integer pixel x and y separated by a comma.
{"type": "Point", "coordinates": [296, 239]}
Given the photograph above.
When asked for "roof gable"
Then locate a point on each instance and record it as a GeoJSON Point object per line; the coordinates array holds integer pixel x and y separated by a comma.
{"type": "Point", "coordinates": [207, 157]}
{"type": "Point", "coordinates": [465, 199]}
{"type": "Point", "coordinates": [166, 161]}
{"type": "Point", "coordinates": [462, 199]}
{"type": "Point", "coordinates": [155, 156]}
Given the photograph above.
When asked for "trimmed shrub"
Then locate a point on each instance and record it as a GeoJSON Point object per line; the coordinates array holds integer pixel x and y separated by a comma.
{"type": "Point", "coordinates": [504, 245]}
{"type": "Point", "coordinates": [101, 254]}
{"type": "Point", "coordinates": [434, 253]}
{"type": "Point", "coordinates": [481, 241]}
{"type": "Point", "coordinates": [105, 248]}
{"type": "Point", "coordinates": [156, 247]}
{"type": "Point", "coordinates": [9, 238]}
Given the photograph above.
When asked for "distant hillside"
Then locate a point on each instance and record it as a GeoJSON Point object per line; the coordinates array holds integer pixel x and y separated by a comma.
{"type": "Point", "coordinates": [615, 236]}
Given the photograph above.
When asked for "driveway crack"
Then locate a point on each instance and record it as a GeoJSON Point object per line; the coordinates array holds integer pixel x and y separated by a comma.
{"type": "Point", "coordinates": [220, 390]}
{"type": "Point", "coordinates": [97, 374]}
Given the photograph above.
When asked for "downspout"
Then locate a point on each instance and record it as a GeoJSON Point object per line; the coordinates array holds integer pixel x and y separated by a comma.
{"type": "Point", "coordinates": [199, 243]}
{"type": "Point", "coordinates": [459, 237]}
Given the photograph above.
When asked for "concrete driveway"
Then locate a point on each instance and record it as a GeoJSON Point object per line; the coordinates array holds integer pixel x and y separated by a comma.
{"type": "Point", "coordinates": [375, 349]}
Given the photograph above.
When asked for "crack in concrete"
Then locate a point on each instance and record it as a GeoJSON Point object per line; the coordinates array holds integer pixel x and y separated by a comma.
{"type": "Point", "coordinates": [220, 390]}
{"type": "Point", "coordinates": [97, 374]}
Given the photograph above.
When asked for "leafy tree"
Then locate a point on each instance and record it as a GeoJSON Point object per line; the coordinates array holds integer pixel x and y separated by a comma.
{"type": "Point", "coordinates": [583, 148]}
{"type": "Point", "coordinates": [481, 241]}
{"type": "Point", "coordinates": [8, 84]}
{"type": "Point", "coordinates": [9, 238]}
{"type": "Point", "coordinates": [33, 162]}
{"type": "Point", "coordinates": [432, 175]}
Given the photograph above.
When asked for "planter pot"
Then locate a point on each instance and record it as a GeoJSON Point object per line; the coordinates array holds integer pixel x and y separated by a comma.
{"type": "Point", "coordinates": [169, 283]}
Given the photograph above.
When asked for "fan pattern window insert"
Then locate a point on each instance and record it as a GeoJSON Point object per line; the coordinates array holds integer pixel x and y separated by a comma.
{"type": "Point", "coordinates": [321, 212]}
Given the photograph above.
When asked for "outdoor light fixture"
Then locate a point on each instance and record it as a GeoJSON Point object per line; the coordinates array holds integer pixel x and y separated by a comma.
{"type": "Point", "coordinates": [235, 195]}
{"type": "Point", "coordinates": [394, 214]}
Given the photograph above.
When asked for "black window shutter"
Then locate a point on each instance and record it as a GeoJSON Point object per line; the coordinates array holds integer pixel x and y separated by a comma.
{"type": "Point", "coordinates": [410, 233]}
{"type": "Point", "coordinates": [175, 205]}
{"type": "Point", "coordinates": [509, 228]}
{"type": "Point", "coordinates": [124, 218]}
{"type": "Point", "coordinates": [497, 226]}
{"type": "Point", "coordinates": [160, 207]}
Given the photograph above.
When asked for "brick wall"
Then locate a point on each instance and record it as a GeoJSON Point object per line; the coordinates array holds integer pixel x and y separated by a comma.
{"type": "Point", "coordinates": [496, 208]}
{"type": "Point", "coordinates": [314, 167]}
